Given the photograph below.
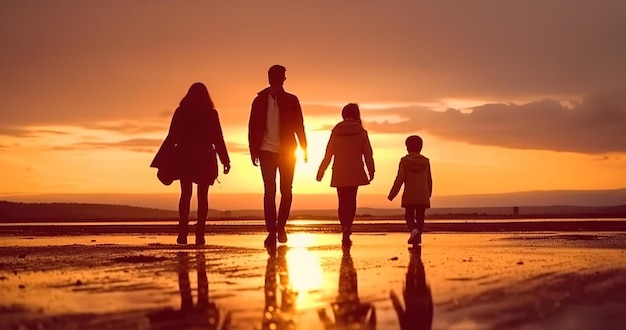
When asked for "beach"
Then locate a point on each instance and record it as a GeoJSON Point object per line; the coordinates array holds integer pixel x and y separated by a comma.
{"type": "Point", "coordinates": [541, 279]}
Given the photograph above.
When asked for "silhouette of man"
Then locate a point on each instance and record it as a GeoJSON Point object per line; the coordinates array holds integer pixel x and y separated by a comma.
{"type": "Point", "coordinates": [275, 122]}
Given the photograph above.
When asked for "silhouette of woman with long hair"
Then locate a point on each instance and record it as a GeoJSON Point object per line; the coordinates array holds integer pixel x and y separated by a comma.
{"type": "Point", "coordinates": [188, 154]}
{"type": "Point", "coordinates": [275, 316]}
{"type": "Point", "coordinates": [348, 310]}
{"type": "Point", "coordinates": [418, 299]}
{"type": "Point", "coordinates": [349, 146]}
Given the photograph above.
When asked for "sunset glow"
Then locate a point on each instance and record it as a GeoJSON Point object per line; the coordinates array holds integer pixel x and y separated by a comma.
{"type": "Point", "coordinates": [501, 107]}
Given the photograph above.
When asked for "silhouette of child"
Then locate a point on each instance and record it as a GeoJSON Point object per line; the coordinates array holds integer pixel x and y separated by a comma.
{"type": "Point", "coordinates": [414, 173]}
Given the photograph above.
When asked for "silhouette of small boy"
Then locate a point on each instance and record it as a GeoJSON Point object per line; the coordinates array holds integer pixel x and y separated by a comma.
{"type": "Point", "coordinates": [414, 173]}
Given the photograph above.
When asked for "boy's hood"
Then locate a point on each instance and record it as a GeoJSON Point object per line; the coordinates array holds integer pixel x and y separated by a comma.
{"type": "Point", "coordinates": [415, 162]}
{"type": "Point", "coordinates": [348, 127]}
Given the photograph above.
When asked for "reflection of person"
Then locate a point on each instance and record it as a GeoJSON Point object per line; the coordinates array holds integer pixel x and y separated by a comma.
{"type": "Point", "coordinates": [275, 122]}
{"type": "Point", "coordinates": [418, 313]}
{"type": "Point", "coordinates": [349, 311]}
{"type": "Point", "coordinates": [204, 314]}
{"type": "Point", "coordinates": [414, 173]}
{"type": "Point", "coordinates": [349, 146]}
{"type": "Point", "coordinates": [277, 317]}
{"type": "Point", "coordinates": [188, 154]}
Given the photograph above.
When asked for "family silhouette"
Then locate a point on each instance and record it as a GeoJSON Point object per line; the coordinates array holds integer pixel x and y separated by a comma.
{"type": "Point", "coordinates": [275, 130]}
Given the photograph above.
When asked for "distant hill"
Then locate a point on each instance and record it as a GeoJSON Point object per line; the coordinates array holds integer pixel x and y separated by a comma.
{"type": "Point", "coordinates": [77, 211]}
{"type": "Point", "coordinates": [328, 201]}
{"type": "Point", "coordinates": [90, 212]}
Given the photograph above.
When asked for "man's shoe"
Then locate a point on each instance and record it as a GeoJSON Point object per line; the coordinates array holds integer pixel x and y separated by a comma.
{"type": "Point", "coordinates": [181, 239]}
{"type": "Point", "coordinates": [282, 235]}
{"type": "Point", "coordinates": [200, 240]}
{"type": "Point", "coordinates": [415, 237]}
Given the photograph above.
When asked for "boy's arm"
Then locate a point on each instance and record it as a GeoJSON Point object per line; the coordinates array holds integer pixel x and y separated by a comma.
{"type": "Point", "coordinates": [430, 181]}
{"type": "Point", "coordinates": [398, 182]}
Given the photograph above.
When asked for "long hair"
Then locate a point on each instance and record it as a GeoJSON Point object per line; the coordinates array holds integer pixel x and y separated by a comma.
{"type": "Point", "coordinates": [351, 110]}
{"type": "Point", "coordinates": [197, 96]}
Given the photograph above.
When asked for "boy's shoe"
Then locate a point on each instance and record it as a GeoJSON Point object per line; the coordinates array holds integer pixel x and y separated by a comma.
{"type": "Point", "coordinates": [282, 235]}
{"type": "Point", "coordinates": [415, 238]}
{"type": "Point", "coordinates": [181, 239]}
{"type": "Point", "coordinates": [200, 240]}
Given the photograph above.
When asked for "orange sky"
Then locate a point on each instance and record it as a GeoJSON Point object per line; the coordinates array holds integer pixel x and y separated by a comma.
{"type": "Point", "coordinates": [508, 96]}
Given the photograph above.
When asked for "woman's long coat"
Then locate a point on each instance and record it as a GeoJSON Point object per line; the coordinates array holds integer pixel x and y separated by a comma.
{"type": "Point", "coordinates": [189, 150]}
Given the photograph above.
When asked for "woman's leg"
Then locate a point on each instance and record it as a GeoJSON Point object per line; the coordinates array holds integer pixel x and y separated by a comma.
{"type": "Point", "coordinates": [203, 211]}
{"type": "Point", "coordinates": [183, 210]}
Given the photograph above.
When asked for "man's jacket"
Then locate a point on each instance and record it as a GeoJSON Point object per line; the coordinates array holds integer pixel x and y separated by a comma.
{"type": "Point", "coordinates": [291, 123]}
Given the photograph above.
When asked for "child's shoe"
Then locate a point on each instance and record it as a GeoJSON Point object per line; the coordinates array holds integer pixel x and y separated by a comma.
{"type": "Point", "coordinates": [415, 238]}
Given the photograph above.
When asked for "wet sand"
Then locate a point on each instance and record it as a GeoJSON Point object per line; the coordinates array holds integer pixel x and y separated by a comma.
{"type": "Point", "coordinates": [522, 280]}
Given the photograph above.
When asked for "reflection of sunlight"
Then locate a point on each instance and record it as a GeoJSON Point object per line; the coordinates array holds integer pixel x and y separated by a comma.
{"type": "Point", "coordinates": [303, 240]}
{"type": "Point", "coordinates": [305, 274]}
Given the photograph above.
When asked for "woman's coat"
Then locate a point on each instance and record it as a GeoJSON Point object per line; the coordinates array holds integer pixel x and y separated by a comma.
{"type": "Point", "coordinates": [349, 147]}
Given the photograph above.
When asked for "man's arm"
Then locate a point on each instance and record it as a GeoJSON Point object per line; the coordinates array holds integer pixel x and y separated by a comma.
{"type": "Point", "coordinates": [252, 128]}
{"type": "Point", "coordinates": [299, 129]}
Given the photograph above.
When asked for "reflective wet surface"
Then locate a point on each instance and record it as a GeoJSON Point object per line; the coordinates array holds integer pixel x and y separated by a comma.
{"type": "Point", "coordinates": [453, 281]}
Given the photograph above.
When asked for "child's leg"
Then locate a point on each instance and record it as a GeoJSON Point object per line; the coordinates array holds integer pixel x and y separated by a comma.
{"type": "Point", "coordinates": [409, 216]}
{"type": "Point", "coordinates": [420, 215]}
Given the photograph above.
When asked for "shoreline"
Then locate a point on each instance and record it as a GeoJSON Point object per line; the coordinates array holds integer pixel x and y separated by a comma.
{"type": "Point", "coordinates": [230, 228]}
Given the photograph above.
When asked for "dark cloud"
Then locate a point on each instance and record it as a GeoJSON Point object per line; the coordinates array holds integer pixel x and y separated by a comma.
{"type": "Point", "coordinates": [68, 63]}
{"type": "Point", "coordinates": [593, 125]}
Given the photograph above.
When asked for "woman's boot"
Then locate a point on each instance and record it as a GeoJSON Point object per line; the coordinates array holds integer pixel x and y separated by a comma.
{"type": "Point", "coordinates": [182, 232]}
{"type": "Point", "coordinates": [200, 233]}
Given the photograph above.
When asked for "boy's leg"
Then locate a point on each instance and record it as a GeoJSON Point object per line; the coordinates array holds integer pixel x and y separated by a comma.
{"type": "Point", "coordinates": [420, 215]}
{"type": "Point", "coordinates": [409, 216]}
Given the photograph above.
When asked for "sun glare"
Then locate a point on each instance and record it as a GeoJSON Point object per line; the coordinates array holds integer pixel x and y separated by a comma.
{"type": "Point", "coordinates": [305, 273]}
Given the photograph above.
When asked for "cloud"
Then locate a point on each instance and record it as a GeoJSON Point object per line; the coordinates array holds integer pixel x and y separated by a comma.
{"type": "Point", "coordinates": [594, 125]}
{"type": "Point", "coordinates": [139, 145]}
{"type": "Point", "coordinates": [130, 126]}
{"type": "Point", "coordinates": [83, 68]}
{"type": "Point", "coordinates": [16, 131]}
